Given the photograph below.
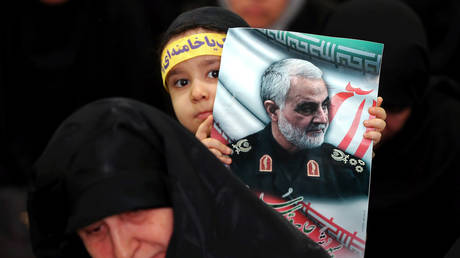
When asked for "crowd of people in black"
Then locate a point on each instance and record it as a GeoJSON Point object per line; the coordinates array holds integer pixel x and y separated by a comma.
{"type": "Point", "coordinates": [59, 55]}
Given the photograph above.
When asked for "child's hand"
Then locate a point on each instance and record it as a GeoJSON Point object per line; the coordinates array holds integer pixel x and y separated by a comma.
{"type": "Point", "coordinates": [376, 124]}
{"type": "Point", "coordinates": [219, 149]}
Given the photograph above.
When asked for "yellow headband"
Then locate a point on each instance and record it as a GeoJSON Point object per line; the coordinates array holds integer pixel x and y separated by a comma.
{"type": "Point", "coordinates": [189, 47]}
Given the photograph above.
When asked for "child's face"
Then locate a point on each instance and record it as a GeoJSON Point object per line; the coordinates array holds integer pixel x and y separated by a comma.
{"type": "Point", "coordinates": [192, 86]}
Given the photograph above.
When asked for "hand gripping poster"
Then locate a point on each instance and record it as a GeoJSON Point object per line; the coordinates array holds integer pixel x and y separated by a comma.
{"type": "Point", "coordinates": [291, 106]}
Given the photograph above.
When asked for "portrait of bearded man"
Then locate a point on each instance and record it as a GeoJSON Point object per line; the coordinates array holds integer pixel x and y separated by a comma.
{"type": "Point", "coordinates": [289, 156]}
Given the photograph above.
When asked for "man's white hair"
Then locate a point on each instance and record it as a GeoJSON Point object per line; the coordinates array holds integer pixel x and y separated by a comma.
{"type": "Point", "coordinates": [276, 80]}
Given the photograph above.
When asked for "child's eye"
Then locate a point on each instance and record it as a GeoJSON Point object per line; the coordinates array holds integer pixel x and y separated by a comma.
{"type": "Point", "coordinates": [213, 74]}
{"type": "Point", "coordinates": [181, 83]}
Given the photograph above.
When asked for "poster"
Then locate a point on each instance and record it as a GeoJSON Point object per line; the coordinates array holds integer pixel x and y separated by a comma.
{"type": "Point", "coordinates": [320, 182]}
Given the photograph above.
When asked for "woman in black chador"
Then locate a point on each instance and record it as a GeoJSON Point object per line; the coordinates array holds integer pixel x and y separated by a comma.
{"type": "Point", "coordinates": [117, 171]}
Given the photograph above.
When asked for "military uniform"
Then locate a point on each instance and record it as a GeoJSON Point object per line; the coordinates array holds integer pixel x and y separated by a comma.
{"type": "Point", "coordinates": [323, 172]}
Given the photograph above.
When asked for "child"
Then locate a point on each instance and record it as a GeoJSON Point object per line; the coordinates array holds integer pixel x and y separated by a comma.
{"type": "Point", "coordinates": [190, 73]}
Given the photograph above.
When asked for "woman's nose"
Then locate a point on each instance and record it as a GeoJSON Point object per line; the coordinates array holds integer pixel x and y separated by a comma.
{"type": "Point", "coordinates": [124, 242]}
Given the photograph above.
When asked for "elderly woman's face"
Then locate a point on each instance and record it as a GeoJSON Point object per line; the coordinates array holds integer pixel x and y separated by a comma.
{"type": "Point", "coordinates": [142, 233]}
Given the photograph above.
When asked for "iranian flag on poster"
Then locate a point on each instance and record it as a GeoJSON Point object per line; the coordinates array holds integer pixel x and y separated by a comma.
{"type": "Point", "coordinates": [335, 219]}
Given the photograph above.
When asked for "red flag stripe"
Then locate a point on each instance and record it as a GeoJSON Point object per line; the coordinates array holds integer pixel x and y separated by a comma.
{"type": "Point", "coordinates": [337, 101]}
{"type": "Point", "coordinates": [354, 127]}
{"type": "Point", "coordinates": [357, 90]}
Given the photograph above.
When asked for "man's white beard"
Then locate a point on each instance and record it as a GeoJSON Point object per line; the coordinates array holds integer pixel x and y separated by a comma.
{"type": "Point", "coordinates": [298, 136]}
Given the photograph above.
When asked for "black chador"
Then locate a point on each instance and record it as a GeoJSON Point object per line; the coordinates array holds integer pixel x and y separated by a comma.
{"type": "Point", "coordinates": [117, 155]}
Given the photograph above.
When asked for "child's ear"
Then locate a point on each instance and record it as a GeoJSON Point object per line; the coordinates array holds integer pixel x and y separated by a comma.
{"type": "Point", "coordinates": [272, 109]}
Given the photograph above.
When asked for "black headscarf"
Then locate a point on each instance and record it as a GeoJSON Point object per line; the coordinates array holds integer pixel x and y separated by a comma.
{"type": "Point", "coordinates": [405, 65]}
{"type": "Point", "coordinates": [414, 199]}
{"type": "Point", "coordinates": [216, 19]}
{"type": "Point", "coordinates": [116, 155]}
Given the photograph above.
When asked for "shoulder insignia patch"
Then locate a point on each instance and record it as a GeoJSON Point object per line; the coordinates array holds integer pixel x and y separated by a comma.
{"type": "Point", "coordinates": [359, 166]}
{"type": "Point", "coordinates": [241, 146]}
{"type": "Point", "coordinates": [339, 155]}
{"type": "Point", "coordinates": [312, 168]}
{"type": "Point", "coordinates": [265, 163]}
{"type": "Point", "coordinates": [356, 164]}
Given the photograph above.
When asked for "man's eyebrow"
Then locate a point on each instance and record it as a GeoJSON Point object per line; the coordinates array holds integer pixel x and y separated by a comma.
{"type": "Point", "coordinates": [305, 104]}
{"type": "Point", "coordinates": [308, 100]}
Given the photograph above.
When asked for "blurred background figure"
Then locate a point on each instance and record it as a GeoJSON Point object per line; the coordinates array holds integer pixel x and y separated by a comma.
{"type": "Point", "coordinates": [441, 20]}
{"type": "Point", "coordinates": [14, 234]}
{"type": "Point", "coordinates": [413, 206]}
{"type": "Point", "coordinates": [307, 16]}
{"type": "Point", "coordinates": [58, 55]}
{"type": "Point", "coordinates": [63, 54]}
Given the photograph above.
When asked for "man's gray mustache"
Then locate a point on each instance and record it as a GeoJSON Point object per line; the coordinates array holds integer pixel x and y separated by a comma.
{"type": "Point", "coordinates": [317, 127]}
